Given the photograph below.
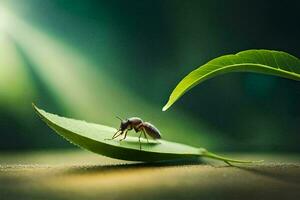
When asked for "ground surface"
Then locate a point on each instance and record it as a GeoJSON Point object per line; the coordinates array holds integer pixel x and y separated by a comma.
{"type": "Point", "coordinates": [78, 174]}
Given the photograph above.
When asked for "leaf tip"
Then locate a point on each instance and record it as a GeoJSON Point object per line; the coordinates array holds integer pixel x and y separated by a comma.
{"type": "Point", "coordinates": [34, 106]}
{"type": "Point", "coordinates": [165, 107]}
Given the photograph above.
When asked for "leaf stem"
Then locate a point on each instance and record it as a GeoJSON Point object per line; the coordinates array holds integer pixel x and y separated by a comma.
{"type": "Point", "coordinates": [226, 160]}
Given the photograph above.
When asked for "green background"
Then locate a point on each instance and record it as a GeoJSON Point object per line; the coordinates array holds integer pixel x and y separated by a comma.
{"type": "Point", "coordinates": [94, 60]}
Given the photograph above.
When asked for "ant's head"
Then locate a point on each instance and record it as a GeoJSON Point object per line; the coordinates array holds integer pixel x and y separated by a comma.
{"type": "Point", "coordinates": [124, 124]}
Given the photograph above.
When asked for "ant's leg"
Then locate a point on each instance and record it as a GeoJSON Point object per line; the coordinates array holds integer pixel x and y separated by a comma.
{"type": "Point", "coordinates": [125, 135]}
{"type": "Point", "coordinates": [117, 135]}
{"type": "Point", "coordinates": [145, 135]}
{"type": "Point", "coordinates": [114, 136]}
{"type": "Point", "coordinates": [140, 140]}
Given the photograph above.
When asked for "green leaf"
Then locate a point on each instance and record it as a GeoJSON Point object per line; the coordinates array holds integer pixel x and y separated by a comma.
{"type": "Point", "coordinates": [269, 62]}
{"type": "Point", "coordinates": [96, 138]}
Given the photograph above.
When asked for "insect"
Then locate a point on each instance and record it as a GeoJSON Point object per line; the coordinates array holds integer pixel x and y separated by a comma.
{"type": "Point", "coordinates": [138, 125]}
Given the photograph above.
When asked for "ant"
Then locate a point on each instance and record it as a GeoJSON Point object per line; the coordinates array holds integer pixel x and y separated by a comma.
{"type": "Point", "coordinates": [138, 125]}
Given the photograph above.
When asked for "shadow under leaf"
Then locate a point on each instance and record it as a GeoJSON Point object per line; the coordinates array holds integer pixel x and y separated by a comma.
{"type": "Point", "coordinates": [117, 167]}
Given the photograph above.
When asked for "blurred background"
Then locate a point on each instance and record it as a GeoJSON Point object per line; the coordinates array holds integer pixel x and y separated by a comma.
{"type": "Point", "coordinates": [93, 60]}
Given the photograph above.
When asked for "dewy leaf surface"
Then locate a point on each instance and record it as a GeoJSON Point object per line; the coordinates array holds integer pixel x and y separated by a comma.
{"type": "Point", "coordinates": [93, 137]}
{"type": "Point", "coordinates": [269, 62]}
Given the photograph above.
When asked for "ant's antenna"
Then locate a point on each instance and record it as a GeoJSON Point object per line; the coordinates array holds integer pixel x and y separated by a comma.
{"type": "Point", "coordinates": [119, 118]}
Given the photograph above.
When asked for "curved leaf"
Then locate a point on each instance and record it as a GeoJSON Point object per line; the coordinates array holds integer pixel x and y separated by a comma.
{"type": "Point", "coordinates": [269, 62]}
{"type": "Point", "coordinates": [96, 138]}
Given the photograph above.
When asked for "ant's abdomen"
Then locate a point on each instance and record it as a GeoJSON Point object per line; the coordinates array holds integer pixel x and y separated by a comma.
{"type": "Point", "coordinates": [151, 130]}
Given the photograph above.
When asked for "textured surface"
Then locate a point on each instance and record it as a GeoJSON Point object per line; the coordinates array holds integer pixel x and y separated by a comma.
{"type": "Point", "coordinates": [77, 174]}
